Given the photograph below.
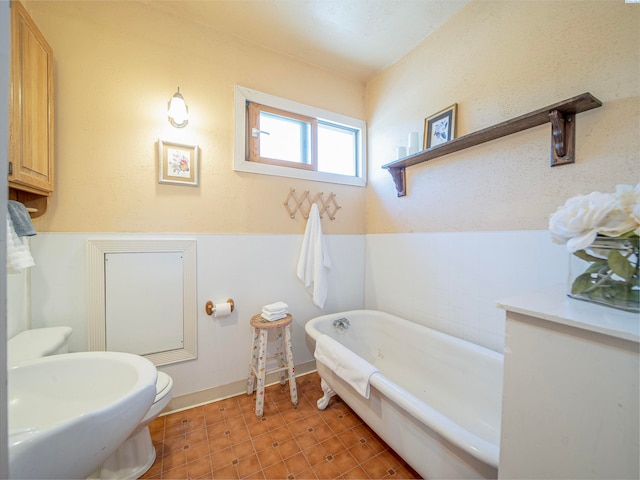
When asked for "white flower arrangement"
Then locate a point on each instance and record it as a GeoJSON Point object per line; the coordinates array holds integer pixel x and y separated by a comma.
{"type": "Point", "coordinates": [582, 218]}
{"type": "Point", "coordinates": [603, 229]}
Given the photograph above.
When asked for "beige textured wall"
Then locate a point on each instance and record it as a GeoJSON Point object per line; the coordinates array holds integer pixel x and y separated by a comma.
{"type": "Point", "coordinates": [116, 66]}
{"type": "Point", "coordinates": [498, 60]}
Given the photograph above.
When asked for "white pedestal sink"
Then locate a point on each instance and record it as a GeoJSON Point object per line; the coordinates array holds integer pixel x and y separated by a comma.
{"type": "Point", "coordinates": [68, 413]}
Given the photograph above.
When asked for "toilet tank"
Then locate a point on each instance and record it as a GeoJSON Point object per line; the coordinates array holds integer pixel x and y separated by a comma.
{"type": "Point", "coordinates": [37, 342]}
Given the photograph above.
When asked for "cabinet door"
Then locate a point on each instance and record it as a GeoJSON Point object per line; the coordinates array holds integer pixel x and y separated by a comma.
{"type": "Point", "coordinates": [31, 105]}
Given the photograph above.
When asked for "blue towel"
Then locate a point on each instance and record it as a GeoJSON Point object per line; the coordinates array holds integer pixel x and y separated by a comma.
{"type": "Point", "coordinates": [21, 219]}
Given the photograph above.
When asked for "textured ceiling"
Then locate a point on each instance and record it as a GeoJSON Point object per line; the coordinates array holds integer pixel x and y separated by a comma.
{"type": "Point", "coordinates": [357, 38]}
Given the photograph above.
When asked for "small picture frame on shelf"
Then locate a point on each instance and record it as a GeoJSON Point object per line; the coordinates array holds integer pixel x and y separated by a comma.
{"type": "Point", "coordinates": [440, 127]}
{"type": "Point", "coordinates": [178, 163]}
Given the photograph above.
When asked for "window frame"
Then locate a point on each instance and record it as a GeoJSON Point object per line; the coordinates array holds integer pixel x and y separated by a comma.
{"type": "Point", "coordinates": [253, 114]}
{"type": "Point", "coordinates": [242, 95]}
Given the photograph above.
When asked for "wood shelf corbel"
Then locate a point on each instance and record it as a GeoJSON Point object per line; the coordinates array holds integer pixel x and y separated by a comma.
{"type": "Point", "coordinates": [561, 115]}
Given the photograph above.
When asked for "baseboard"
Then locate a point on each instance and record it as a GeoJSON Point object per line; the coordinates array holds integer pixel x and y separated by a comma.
{"type": "Point", "coordinates": [214, 394]}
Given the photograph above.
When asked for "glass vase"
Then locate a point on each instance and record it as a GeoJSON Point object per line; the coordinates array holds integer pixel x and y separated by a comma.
{"type": "Point", "coordinates": [606, 273]}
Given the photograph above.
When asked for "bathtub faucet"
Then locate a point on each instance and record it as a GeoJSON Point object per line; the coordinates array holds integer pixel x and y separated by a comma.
{"type": "Point", "coordinates": [341, 324]}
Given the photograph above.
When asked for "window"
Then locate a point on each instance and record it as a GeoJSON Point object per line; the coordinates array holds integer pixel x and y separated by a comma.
{"type": "Point", "coordinates": [275, 136]}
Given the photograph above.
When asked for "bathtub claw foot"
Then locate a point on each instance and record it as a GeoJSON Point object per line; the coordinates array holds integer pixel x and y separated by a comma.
{"type": "Point", "coordinates": [328, 393]}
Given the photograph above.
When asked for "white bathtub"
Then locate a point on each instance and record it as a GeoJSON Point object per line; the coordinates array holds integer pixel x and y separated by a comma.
{"type": "Point", "coordinates": [436, 399]}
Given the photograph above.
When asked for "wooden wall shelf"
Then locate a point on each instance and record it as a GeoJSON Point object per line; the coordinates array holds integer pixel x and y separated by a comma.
{"type": "Point", "coordinates": [562, 118]}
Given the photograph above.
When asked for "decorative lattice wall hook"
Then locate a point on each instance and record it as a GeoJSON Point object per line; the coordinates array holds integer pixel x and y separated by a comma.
{"type": "Point", "coordinates": [293, 204]}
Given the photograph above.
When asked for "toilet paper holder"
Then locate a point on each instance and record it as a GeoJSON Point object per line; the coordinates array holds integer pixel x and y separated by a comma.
{"type": "Point", "coordinates": [210, 307]}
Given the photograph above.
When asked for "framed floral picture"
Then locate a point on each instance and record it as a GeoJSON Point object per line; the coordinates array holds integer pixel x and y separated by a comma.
{"type": "Point", "coordinates": [178, 163]}
{"type": "Point", "coordinates": [440, 127]}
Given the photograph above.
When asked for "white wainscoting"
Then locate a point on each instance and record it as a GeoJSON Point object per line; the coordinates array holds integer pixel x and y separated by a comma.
{"type": "Point", "coordinates": [448, 281]}
{"type": "Point", "coordinates": [451, 281]}
{"type": "Point", "coordinates": [254, 270]}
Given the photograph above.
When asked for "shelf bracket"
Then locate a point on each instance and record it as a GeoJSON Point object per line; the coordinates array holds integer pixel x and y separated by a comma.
{"type": "Point", "coordinates": [399, 178]}
{"type": "Point", "coordinates": [563, 138]}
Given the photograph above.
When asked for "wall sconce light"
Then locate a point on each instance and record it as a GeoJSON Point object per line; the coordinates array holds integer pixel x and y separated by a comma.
{"type": "Point", "coordinates": [178, 111]}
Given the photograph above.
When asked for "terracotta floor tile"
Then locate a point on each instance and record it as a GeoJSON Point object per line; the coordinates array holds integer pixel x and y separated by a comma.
{"type": "Point", "coordinates": [357, 473]}
{"type": "Point", "coordinates": [226, 473]}
{"type": "Point", "coordinates": [298, 427]}
{"type": "Point", "coordinates": [390, 459]}
{"type": "Point", "coordinates": [237, 434]}
{"type": "Point", "coordinates": [375, 468]}
{"type": "Point", "coordinates": [281, 434]}
{"type": "Point", "coordinates": [307, 475]}
{"type": "Point", "coordinates": [268, 457]}
{"type": "Point", "coordinates": [348, 438]}
{"type": "Point", "coordinates": [199, 467]}
{"type": "Point", "coordinates": [174, 444]}
{"type": "Point", "coordinates": [306, 440]}
{"type": "Point", "coordinates": [345, 461]}
{"type": "Point", "coordinates": [232, 423]}
{"type": "Point", "coordinates": [289, 412]}
{"type": "Point", "coordinates": [296, 464]}
{"type": "Point", "coordinates": [222, 458]}
{"type": "Point", "coordinates": [332, 446]}
{"type": "Point", "coordinates": [243, 449]}
{"type": "Point", "coordinates": [288, 448]}
{"type": "Point", "coordinates": [196, 450]}
{"type": "Point", "coordinates": [248, 466]}
{"type": "Point", "coordinates": [275, 421]}
{"type": "Point", "coordinates": [196, 436]}
{"type": "Point", "coordinates": [262, 442]}
{"type": "Point", "coordinates": [326, 469]}
{"type": "Point", "coordinates": [376, 445]}
{"type": "Point", "coordinates": [277, 471]}
{"type": "Point", "coordinates": [314, 454]}
{"type": "Point", "coordinates": [215, 422]}
{"type": "Point", "coordinates": [178, 473]}
{"type": "Point", "coordinates": [361, 452]}
{"type": "Point", "coordinates": [323, 432]}
{"type": "Point", "coordinates": [258, 427]}
{"type": "Point", "coordinates": [173, 459]}
{"type": "Point", "coordinates": [315, 420]}
{"type": "Point", "coordinates": [220, 440]}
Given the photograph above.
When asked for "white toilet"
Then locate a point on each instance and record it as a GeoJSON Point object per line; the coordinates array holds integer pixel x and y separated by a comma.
{"type": "Point", "coordinates": [137, 454]}
{"type": "Point", "coordinates": [36, 343]}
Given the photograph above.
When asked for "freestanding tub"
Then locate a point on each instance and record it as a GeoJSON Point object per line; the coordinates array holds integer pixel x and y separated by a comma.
{"type": "Point", "coordinates": [435, 399]}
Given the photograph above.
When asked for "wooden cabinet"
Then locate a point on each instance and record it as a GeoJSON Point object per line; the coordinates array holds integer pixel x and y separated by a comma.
{"type": "Point", "coordinates": [31, 119]}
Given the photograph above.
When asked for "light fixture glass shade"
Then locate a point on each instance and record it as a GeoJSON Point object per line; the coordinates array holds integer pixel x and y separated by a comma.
{"type": "Point", "coordinates": [178, 111]}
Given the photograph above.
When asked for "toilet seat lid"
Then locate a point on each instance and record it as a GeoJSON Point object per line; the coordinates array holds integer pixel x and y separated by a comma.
{"type": "Point", "coordinates": [163, 384]}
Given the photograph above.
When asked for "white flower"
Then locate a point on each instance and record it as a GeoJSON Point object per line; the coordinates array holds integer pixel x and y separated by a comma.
{"type": "Point", "coordinates": [629, 200]}
{"type": "Point", "coordinates": [582, 218]}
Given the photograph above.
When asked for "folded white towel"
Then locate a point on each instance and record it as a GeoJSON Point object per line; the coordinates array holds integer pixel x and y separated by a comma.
{"type": "Point", "coordinates": [275, 307]}
{"type": "Point", "coordinates": [352, 368]}
{"type": "Point", "coordinates": [273, 317]}
{"type": "Point", "coordinates": [279, 312]}
{"type": "Point", "coordinates": [314, 263]}
{"type": "Point", "coordinates": [18, 254]}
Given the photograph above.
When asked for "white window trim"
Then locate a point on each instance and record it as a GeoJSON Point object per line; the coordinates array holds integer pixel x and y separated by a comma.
{"type": "Point", "coordinates": [240, 164]}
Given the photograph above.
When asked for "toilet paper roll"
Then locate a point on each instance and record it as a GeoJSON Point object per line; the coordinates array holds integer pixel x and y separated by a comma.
{"type": "Point", "coordinates": [222, 309]}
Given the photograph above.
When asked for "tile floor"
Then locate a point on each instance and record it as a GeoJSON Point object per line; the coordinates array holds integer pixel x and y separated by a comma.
{"type": "Point", "coordinates": [224, 439]}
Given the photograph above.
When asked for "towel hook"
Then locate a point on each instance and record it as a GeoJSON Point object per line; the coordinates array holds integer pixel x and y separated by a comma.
{"type": "Point", "coordinates": [303, 204]}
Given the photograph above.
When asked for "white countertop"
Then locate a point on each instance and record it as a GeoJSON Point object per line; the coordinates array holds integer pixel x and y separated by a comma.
{"type": "Point", "coordinates": [554, 305]}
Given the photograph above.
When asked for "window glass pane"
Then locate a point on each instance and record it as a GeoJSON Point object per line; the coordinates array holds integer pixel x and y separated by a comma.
{"type": "Point", "coordinates": [287, 138]}
{"type": "Point", "coordinates": [337, 149]}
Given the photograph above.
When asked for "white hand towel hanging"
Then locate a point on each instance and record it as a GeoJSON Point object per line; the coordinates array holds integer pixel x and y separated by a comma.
{"type": "Point", "coordinates": [314, 263]}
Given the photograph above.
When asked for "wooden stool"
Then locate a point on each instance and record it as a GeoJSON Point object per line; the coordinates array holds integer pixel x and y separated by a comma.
{"type": "Point", "coordinates": [258, 359]}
